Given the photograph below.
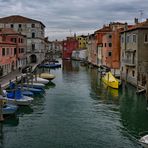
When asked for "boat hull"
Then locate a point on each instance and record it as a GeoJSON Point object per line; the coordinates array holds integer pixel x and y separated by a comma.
{"type": "Point", "coordinates": [110, 80]}
{"type": "Point", "coordinates": [40, 80]}
{"type": "Point", "coordinates": [34, 85]}
{"type": "Point", "coordinates": [47, 76]}
{"type": "Point", "coordinates": [25, 101]}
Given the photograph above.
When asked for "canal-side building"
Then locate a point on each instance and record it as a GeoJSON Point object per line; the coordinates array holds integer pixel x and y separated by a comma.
{"type": "Point", "coordinates": [107, 49]}
{"type": "Point", "coordinates": [69, 45]}
{"type": "Point", "coordinates": [34, 30]}
{"type": "Point", "coordinates": [10, 35]}
{"type": "Point", "coordinates": [99, 43]}
{"type": "Point", "coordinates": [134, 54]}
{"type": "Point", "coordinates": [82, 40]}
{"type": "Point", "coordinates": [7, 55]}
{"type": "Point", "coordinates": [91, 49]}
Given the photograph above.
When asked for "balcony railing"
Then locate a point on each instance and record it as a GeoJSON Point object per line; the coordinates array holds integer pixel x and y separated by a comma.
{"type": "Point", "coordinates": [129, 62]}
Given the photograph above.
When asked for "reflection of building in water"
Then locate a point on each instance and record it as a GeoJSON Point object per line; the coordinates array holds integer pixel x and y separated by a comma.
{"type": "Point", "coordinates": [69, 65]}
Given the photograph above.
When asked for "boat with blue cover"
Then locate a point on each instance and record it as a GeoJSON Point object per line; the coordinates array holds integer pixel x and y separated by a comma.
{"type": "Point", "coordinates": [27, 93]}
{"type": "Point", "coordinates": [51, 65]}
{"type": "Point", "coordinates": [16, 97]}
{"type": "Point", "coordinates": [34, 90]}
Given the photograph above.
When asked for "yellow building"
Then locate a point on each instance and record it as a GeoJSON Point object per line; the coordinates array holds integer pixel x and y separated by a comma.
{"type": "Point", "coordinates": [82, 40]}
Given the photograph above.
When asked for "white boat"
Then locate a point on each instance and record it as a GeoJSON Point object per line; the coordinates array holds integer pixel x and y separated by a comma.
{"type": "Point", "coordinates": [40, 80]}
{"type": "Point", "coordinates": [34, 85]}
{"type": "Point", "coordinates": [24, 101]}
{"type": "Point", "coordinates": [144, 141]}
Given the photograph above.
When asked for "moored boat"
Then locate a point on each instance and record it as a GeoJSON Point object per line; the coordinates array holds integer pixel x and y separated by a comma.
{"type": "Point", "coordinates": [34, 90]}
{"type": "Point", "coordinates": [47, 76]}
{"type": "Point", "coordinates": [50, 65]}
{"type": "Point", "coordinates": [17, 98]}
{"type": "Point", "coordinates": [40, 80]}
{"type": "Point", "coordinates": [144, 141]}
{"type": "Point", "coordinates": [110, 80]}
{"type": "Point", "coordinates": [34, 85]}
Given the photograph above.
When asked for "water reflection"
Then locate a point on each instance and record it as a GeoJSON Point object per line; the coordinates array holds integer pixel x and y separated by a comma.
{"type": "Point", "coordinates": [11, 121]}
{"type": "Point", "coordinates": [69, 66]}
{"type": "Point", "coordinates": [50, 85]}
{"type": "Point", "coordinates": [24, 110]}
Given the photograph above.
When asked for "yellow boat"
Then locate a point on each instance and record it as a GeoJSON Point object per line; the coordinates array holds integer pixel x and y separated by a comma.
{"type": "Point", "coordinates": [46, 76]}
{"type": "Point", "coordinates": [110, 80]}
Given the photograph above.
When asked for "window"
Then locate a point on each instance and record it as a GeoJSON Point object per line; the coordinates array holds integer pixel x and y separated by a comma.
{"type": "Point", "coordinates": [20, 25]}
{"type": "Point", "coordinates": [33, 25]}
{"type": "Point", "coordinates": [105, 45]}
{"type": "Point", "coordinates": [127, 39]}
{"type": "Point", "coordinates": [15, 51]}
{"type": "Point", "coordinates": [19, 40]}
{"type": "Point", "coordinates": [109, 53]}
{"type": "Point", "coordinates": [33, 35]}
{"type": "Point", "coordinates": [134, 38]}
{"type": "Point", "coordinates": [133, 73]}
{"type": "Point", "coordinates": [33, 46]}
{"type": "Point", "coordinates": [146, 38]}
{"type": "Point", "coordinates": [110, 44]}
{"type": "Point", "coordinates": [22, 50]}
{"type": "Point", "coordinates": [3, 51]}
{"type": "Point", "coordinates": [11, 25]}
{"type": "Point", "coordinates": [110, 36]}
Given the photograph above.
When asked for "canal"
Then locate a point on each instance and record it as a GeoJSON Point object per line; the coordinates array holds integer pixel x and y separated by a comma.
{"type": "Point", "coordinates": [78, 111]}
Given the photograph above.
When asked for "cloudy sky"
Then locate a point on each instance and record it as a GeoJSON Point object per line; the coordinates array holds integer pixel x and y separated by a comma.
{"type": "Point", "coordinates": [65, 17]}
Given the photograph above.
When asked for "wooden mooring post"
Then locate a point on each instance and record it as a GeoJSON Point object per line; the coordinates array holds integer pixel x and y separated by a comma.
{"type": "Point", "coordinates": [1, 104]}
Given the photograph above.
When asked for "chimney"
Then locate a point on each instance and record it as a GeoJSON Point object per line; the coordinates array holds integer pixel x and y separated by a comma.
{"type": "Point", "coordinates": [136, 21]}
{"type": "Point", "coordinates": [126, 27]}
{"type": "Point", "coordinates": [147, 19]}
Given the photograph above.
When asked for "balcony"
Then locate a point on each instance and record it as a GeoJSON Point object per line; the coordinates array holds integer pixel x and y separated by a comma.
{"type": "Point", "coordinates": [129, 62]}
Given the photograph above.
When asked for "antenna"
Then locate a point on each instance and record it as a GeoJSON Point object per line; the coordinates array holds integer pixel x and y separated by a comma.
{"type": "Point", "coordinates": [70, 32]}
{"type": "Point", "coordinates": [141, 14]}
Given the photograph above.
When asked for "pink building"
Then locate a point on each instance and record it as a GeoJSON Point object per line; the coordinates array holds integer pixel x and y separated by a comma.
{"type": "Point", "coordinates": [7, 56]}
{"type": "Point", "coordinates": [20, 41]}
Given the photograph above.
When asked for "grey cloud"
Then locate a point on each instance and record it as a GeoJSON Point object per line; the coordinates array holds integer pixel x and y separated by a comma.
{"type": "Point", "coordinates": [77, 15]}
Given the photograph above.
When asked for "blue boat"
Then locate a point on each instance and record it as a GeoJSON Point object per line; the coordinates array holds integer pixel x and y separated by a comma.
{"type": "Point", "coordinates": [27, 93]}
{"type": "Point", "coordinates": [24, 92]}
{"type": "Point", "coordinates": [51, 65]}
{"type": "Point", "coordinates": [34, 90]}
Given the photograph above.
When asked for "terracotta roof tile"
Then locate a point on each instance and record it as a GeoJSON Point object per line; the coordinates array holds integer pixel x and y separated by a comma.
{"type": "Point", "coordinates": [18, 19]}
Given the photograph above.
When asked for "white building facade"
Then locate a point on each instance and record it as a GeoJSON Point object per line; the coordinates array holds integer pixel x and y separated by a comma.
{"type": "Point", "coordinates": [34, 31]}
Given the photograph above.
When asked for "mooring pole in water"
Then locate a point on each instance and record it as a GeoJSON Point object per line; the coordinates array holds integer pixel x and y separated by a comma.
{"type": "Point", "coordinates": [1, 104]}
{"type": "Point", "coordinates": [146, 86]}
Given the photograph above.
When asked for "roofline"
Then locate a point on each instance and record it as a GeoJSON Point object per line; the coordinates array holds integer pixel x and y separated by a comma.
{"type": "Point", "coordinates": [23, 17]}
{"type": "Point", "coordinates": [136, 28]}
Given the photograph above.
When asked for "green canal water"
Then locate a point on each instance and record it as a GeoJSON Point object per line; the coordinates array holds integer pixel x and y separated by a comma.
{"type": "Point", "coordinates": [78, 111]}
